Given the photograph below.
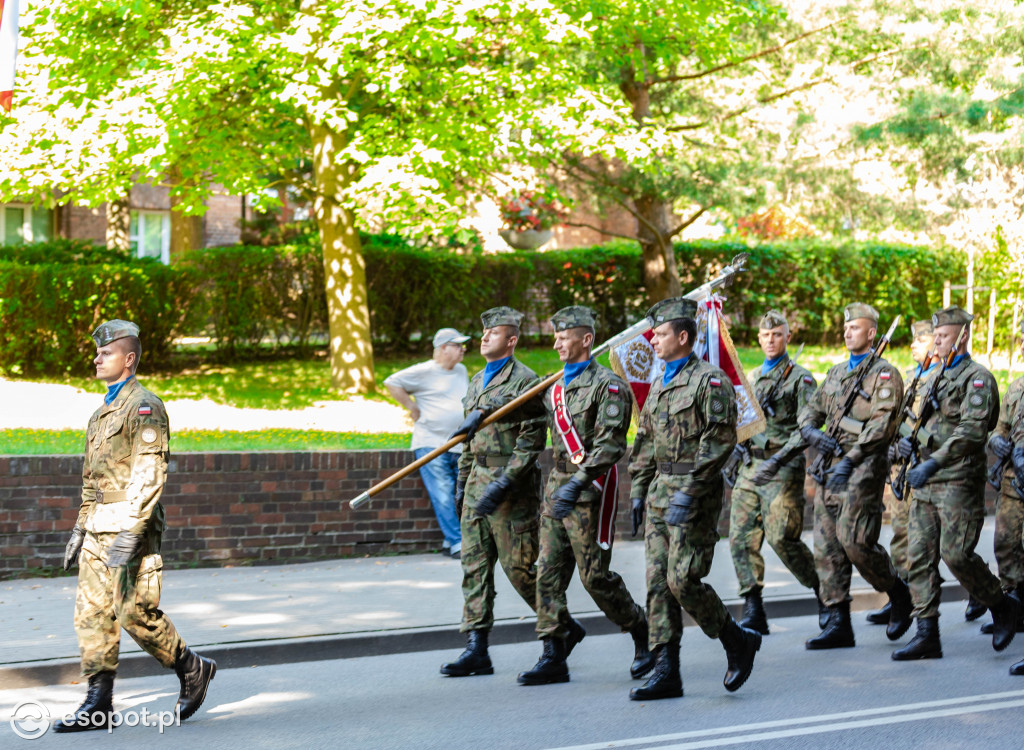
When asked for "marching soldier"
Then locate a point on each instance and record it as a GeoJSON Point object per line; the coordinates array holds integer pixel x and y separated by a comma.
{"type": "Point", "coordinates": [899, 510]}
{"type": "Point", "coordinates": [498, 490]}
{"type": "Point", "coordinates": [947, 510]}
{"type": "Point", "coordinates": [687, 430]}
{"type": "Point", "coordinates": [116, 539]}
{"type": "Point", "coordinates": [775, 511]}
{"type": "Point", "coordinates": [848, 508]}
{"type": "Point", "coordinates": [589, 410]}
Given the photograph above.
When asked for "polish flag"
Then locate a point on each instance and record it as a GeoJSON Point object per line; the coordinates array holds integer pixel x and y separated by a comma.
{"type": "Point", "coordinates": [8, 50]}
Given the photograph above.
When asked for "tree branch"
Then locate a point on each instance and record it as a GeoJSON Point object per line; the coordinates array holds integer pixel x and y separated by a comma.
{"type": "Point", "coordinates": [598, 229]}
{"type": "Point", "coordinates": [687, 222]}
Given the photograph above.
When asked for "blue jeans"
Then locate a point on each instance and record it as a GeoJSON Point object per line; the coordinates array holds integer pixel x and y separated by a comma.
{"type": "Point", "coordinates": [439, 477]}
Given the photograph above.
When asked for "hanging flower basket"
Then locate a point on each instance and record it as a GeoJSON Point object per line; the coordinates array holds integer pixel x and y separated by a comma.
{"type": "Point", "coordinates": [529, 219]}
{"type": "Point", "coordinates": [526, 239]}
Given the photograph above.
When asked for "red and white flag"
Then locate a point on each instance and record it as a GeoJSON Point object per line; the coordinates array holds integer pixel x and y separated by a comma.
{"type": "Point", "coordinates": [8, 50]}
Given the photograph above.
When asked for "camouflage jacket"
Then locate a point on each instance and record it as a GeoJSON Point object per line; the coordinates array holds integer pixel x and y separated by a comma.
{"type": "Point", "coordinates": [126, 454]}
{"type": "Point", "coordinates": [600, 406]}
{"type": "Point", "coordinates": [907, 423]}
{"type": "Point", "coordinates": [870, 424]}
{"type": "Point", "coordinates": [691, 419]}
{"type": "Point", "coordinates": [957, 431]}
{"type": "Point", "coordinates": [792, 396]}
{"type": "Point", "coordinates": [518, 437]}
{"type": "Point", "coordinates": [1011, 426]}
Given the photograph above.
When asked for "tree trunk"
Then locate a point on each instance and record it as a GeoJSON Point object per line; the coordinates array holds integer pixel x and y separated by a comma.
{"type": "Point", "coordinates": [661, 275]}
{"type": "Point", "coordinates": [348, 310]}
{"type": "Point", "coordinates": [186, 231]}
{"type": "Point", "coordinates": [119, 220]}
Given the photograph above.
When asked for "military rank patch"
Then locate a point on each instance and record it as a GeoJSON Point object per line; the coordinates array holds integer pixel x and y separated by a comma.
{"type": "Point", "coordinates": [978, 383]}
{"type": "Point", "coordinates": [715, 382]}
{"type": "Point", "coordinates": [148, 435]}
{"type": "Point", "coordinates": [145, 409]}
{"type": "Point", "coordinates": [976, 399]}
{"type": "Point", "coordinates": [612, 410]}
{"type": "Point", "coordinates": [884, 375]}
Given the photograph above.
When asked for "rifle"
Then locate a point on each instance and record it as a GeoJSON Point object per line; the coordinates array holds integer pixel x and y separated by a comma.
{"type": "Point", "coordinates": [823, 460]}
{"type": "Point", "coordinates": [637, 329]}
{"type": "Point", "coordinates": [908, 411]}
{"type": "Point", "coordinates": [741, 454]}
{"type": "Point", "coordinates": [899, 484]}
{"type": "Point", "coordinates": [995, 474]}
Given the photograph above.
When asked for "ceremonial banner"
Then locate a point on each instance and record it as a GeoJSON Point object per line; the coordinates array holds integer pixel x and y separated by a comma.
{"type": "Point", "coordinates": [8, 50]}
{"type": "Point", "coordinates": [636, 363]}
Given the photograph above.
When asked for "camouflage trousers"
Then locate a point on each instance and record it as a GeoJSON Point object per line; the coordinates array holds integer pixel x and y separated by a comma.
{"type": "Point", "coordinates": [946, 521]}
{"type": "Point", "coordinates": [899, 519]}
{"type": "Point", "coordinates": [678, 559]}
{"type": "Point", "coordinates": [846, 528]}
{"type": "Point", "coordinates": [774, 512]}
{"type": "Point", "coordinates": [127, 597]}
{"type": "Point", "coordinates": [569, 544]}
{"type": "Point", "coordinates": [1009, 547]}
{"type": "Point", "coordinates": [508, 536]}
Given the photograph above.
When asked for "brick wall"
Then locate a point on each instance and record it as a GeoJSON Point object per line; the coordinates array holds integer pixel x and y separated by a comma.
{"type": "Point", "coordinates": [233, 508]}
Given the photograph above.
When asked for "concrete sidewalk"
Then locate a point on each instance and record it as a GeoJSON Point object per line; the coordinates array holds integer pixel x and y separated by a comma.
{"type": "Point", "coordinates": [353, 607]}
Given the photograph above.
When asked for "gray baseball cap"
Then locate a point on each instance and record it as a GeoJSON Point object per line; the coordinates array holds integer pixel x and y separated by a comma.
{"type": "Point", "coordinates": [449, 336]}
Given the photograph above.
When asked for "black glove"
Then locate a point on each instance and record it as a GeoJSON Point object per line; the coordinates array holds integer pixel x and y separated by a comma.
{"type": "Point", "coordinates": [74, 547]}
{"type": "Point", "coordinates": [920, 474]}
{"type": "Point", "coordinates": [469, 425]}
{"type": "Point", "coordinates": [766, 471]}
{"type": "Point", "coordinates": [637, 513]}
{"type": "Point", "coordinates": [460, 495]}
{"type": "Point", "coordinates": [566, 497]}
{"type": "Point", "coordinates": [1000, 446]}
{"type": "Point", "coordinates": [679, 509]}
{"type": "Point", "coordinates": [1017, 456]}
{"type": "Point", "coordinates": [493, 495]}
{"type": "Point", "coordinates": [818, 439]}
{"type": "Point", "coordinates": [122, 549]}
{"type": "Point", "coordinates": [904, 448]}
{"type": "Point", "coordinates": [839, 476]}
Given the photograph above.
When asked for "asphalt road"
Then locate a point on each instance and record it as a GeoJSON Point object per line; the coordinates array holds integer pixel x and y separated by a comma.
{"type": "Point", "coordinates": [849, 698]}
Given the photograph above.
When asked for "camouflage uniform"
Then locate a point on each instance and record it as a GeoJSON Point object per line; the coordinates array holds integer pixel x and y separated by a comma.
{"type": "Point", "coordinates": [847, 522]}
{"type": "Point", "coordinates": [947, 513]}
{"type": "Point", "coordinates": [123, 477]}
{"type": "Point", "coordinates": [508, 446]}
{"type": "Point", "coordinates": [775, 510]}
{"type": "Point", "coordinates": [1009, 549]}
{"type": "Point", "coordinates": [600, 406]}
{"type": "Point", "coordinates": [686, 432]}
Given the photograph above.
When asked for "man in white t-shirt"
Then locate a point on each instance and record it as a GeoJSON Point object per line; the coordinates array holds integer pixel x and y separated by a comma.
{"type": "Point", "coordinates": [432, 391]}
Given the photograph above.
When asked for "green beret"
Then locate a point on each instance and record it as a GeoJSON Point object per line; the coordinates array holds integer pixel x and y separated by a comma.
{"type": "Point", "coordinates": [113, 330]}
{"type": "Point", "coordinates": [951, 316]}
{"type": "Point", "coordinates": [576, 316]}
{"type": "Point", "coordinates": [922, 328]}
{"type": "Point", "coordinates": [501, 316]}
{"type": "Point", "coordinates": [672, 308]}
{"type": "Point", "coordinates": [773, 319]}
{"type": "Point", "coordinates": [860, 310]}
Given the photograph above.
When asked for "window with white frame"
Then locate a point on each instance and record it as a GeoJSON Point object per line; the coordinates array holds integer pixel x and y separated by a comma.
{"type": "Point", "coordinates": [149, 234]}
{"type": "Point", "coordinates": [21, 223]}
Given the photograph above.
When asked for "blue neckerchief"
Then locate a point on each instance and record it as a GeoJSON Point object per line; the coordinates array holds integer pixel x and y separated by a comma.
{"type": "Point", "coordinates": [673, 367]}
{"type": "Point", "coordinates": [570, 372]}
{"type": "Point", "coordinates": [769, 364]}
{"type": "Point", "coordinates": [491, 369]}
{"type": "Point", "coordinates": [856, 359]}
{"type": "Point", "coordinates": [957, 360]}
{"type": "Point", "coordinates": [113, 390]}
{"type": "Point", "coordinates": [931, 367]}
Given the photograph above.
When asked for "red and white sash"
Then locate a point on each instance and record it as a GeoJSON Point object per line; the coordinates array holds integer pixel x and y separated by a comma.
{"type": "Point", "coordinates": [607, 484]}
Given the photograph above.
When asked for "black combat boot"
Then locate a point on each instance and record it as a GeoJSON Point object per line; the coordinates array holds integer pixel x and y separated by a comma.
{"type": "Point", "coordinates": [551, 666]}
{"type": "Point", "coordinates": [1018, 668]}
{"type": "Point", "coordinates": [924, 645]}
{"type": "Point", "coordinates": [975, 609]}
{"type": "Point", "coordinates": [754, 617]}
{"type": "Point", "coordinates": [94, 713]}
{"type": "Point", "coordinates": [576, 634]}
{"type": "Point", "coordinates": [987, 628]}
{"type": "Point", "coordinates": [838, 632]}
{"type": "Point", "coordinates": [880, 616]}
{"type": "Point", "coordinates": [741, 644]}
{"type": "Point", "coordinates": [822, 609]}
{"type": "Point", "coordinates": [900, 618]}
{"type": "Point", "coordinates": [1004, 621]}
{"type": "Point", "coordinates": [665, 681]}
{"type": "Point", "coordinates": [474, 660]}
{"type": "Point", "coordinates": [195, 673]}
{"type": "Point", "coordinates": [643, 659]}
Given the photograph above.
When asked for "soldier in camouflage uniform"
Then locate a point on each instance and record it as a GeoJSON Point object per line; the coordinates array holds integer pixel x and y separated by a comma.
{"type": "Point", "coordinates": [686, 432]}
{"type": "Point", "coordinates": [1010, 507]}
{"type": "Point", "coordinates": [498, 489]}
{"type": "Point", "coordinates": [116, 539]}
{"type": "Point", "coordinates": [948, 506]}
{"type": "Point", "coordinates": [589, 409]}
{"type": "Point", "coordinates": [848, 509]}
{"type": "Point", "coordinates": [776, 510]}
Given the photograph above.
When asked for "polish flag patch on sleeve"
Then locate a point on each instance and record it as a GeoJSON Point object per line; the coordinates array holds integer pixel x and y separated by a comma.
{"type": "Point", "coordinates": [715, 382]}
{"type": "Point", "coordinates": [978, 383]}
{"type": "Point", "coordinates": [884, 375]}
{"type": "Point", "coordinates": [809, 380]}
{"type": "Point", "coordinates": [612, 388]}
{"type": "Point", "coordinates": [145, 409]}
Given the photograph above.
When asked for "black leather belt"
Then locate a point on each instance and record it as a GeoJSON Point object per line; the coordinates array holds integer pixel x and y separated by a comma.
{"type": "Point", "coordinates": [111, 496]}
{"type": "Point", "coordinates": [492, 461]}
{"type": "Point", "coordinates": [670, 467]}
